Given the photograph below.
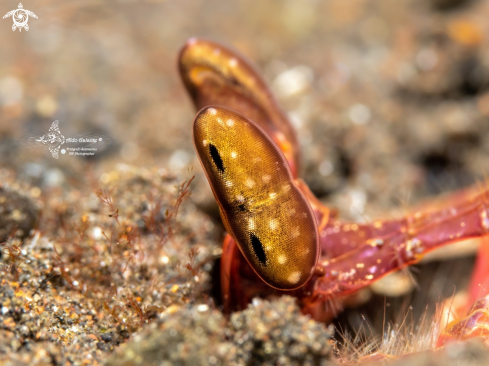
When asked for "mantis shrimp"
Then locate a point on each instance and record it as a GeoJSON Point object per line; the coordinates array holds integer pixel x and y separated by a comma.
{"type": "Point", "coordinates": [281, 238]}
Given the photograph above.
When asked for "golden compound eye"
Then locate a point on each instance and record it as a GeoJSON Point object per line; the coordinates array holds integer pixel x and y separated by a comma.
{"type": "Point", "coordinates": [260, 205]}
{"type": "Point", "coordinates": [215, 75]}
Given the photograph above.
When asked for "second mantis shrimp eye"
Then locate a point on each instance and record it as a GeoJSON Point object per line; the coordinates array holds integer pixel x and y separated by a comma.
{"type": "Point", "coordinates": [214, 74]}
{"type": "Point", "coordinates": [261, 207]}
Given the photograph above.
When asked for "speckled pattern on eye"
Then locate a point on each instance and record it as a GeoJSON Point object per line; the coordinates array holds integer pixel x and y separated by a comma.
{"type": "Point", "coordinates": [260, 205]}
{"type": "Point", "coordinates": [216, 75]}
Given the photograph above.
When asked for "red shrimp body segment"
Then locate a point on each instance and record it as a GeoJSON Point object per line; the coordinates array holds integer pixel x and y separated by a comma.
{"type": "Point", "coordinates": [474, 323]}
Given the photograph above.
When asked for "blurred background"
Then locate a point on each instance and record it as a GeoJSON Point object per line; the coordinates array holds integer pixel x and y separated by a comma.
{"type": "Point", "coordinates": [390, 99]}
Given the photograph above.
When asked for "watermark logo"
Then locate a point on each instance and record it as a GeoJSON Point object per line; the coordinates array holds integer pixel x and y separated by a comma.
{"type": "Point", "coordinates": [87, 144]}
{"type": "Point", "coordinates": [53, 140]}
{"type": "Point", "coordinates": [20, 17]}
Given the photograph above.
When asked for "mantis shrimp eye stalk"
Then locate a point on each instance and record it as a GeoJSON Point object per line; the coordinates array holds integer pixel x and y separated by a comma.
{"type": "Point", "coordinates": [261, 206]}
{"type": "Point", "coordinates": [278, 227]}
{"type": "Point", "coordinates": [216, 75]}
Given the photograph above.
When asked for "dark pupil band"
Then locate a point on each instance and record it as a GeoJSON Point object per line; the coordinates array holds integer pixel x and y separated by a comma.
{"type": "Point", "coordinates": [216, 157]}
{"type": "Point", "coordinates": [258, 248]}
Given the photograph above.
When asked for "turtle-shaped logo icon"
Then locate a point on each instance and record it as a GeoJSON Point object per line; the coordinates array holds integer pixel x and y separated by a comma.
{"type": "Point", "coordinates": [53, 139]}
{"type": "Point", "coordinates": [20, 17]}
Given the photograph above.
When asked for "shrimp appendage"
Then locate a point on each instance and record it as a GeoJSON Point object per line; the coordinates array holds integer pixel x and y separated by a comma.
{"type": "Point", "coordinates": [259, 257]}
